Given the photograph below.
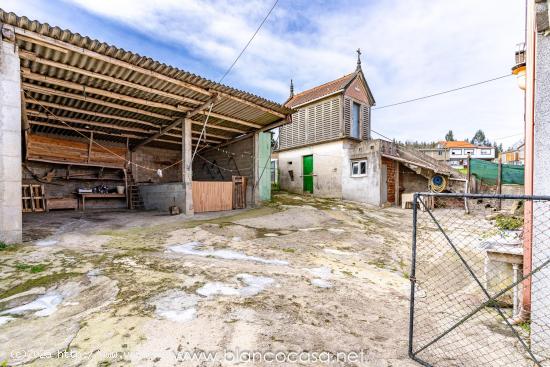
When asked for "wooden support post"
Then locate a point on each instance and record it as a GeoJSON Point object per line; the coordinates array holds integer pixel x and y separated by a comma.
{"type": "Point", "coordinates": [468, 183]}
{"type": "Point", "coordinates": [499, 183]}
{"type": "Point", "coordinates": [396, 183]}
{"type": "Point", "coordinates": [187, 165]}
{"type": "Point", "coordinates": [90, 146]}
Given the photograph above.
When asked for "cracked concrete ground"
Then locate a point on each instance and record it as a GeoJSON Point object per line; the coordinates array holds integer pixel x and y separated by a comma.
{"type": "Point", "coordinates": [137, 288]}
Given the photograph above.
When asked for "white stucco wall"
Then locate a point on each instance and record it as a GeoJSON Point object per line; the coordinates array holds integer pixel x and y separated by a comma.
{"type": "Point", "coordinates": [540, 306]}
{"type": "Point", "coordinates": [365, 189]}
{"type": "Point", "coordinates": [328, 161]}
{"type": "Point", "coordinates": [332, 170]}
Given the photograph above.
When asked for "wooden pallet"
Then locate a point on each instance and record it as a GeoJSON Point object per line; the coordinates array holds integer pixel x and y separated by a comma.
{"type": "Point", "coordinates": [33, 198]}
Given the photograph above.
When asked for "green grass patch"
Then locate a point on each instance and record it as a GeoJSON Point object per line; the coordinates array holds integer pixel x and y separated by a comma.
{"type": "Point", "coordinates": [289, 250]}
{"type": "Point", "coordinates": [33, 269]}
{"type": "Point", "coordinates": [511, 223]}
{"type": "Point", "coordinates": [44, 281]}
{"type": "Point", "coordinates": [3, 246]}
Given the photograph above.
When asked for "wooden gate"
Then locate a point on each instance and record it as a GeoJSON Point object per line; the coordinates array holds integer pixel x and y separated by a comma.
{"type": "Point", "coordinates": [212, 196]}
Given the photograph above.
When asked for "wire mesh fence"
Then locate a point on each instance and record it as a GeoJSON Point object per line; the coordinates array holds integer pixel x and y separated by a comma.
{"type": "Point", "coordinates": [480, 280]}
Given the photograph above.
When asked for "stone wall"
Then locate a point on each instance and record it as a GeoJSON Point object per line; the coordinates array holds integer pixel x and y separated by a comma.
{"type": "Point", "coordinates": [156, 158]}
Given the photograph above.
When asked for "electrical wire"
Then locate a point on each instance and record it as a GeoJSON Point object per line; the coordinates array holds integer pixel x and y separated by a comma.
{"type": "Point", "coordinates": [249, 41]}
{"type": "Point", "coordinates": [231, 68]}
{"type": "Point", "coordinates": [444, 92]}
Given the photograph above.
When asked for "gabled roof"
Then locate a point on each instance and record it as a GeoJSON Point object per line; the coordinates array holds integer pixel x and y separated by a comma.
{"type": "Point", "coordinates": [320, 91]}
{"type": "Point", "coordinates": [456, 144]}
{"type": "Point", "coordinates": [327, 89]}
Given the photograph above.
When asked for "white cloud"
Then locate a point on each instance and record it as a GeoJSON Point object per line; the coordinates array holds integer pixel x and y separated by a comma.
{"type": "Point", "coordinates": [410, 48]}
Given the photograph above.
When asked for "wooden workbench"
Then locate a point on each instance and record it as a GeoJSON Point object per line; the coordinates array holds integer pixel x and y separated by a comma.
{"type": "Point", "coordinates": [85, 196]}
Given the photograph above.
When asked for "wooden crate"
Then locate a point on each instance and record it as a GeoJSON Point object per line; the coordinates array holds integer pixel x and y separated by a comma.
{"type": "Point", "coordinates": [33, 198]}
{"type": "Point", "coordinates": [62, 203]}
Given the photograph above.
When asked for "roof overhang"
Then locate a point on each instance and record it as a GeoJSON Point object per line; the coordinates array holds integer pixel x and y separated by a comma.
{"type": "Point", "coordinates": [75, 84]}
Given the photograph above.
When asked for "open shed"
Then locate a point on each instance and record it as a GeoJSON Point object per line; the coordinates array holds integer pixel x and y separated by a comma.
{"type": "Point", "coordinates": [79, 115]}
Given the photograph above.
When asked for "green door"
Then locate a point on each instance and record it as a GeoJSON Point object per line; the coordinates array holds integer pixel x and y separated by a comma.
{"type": "Point", "coordinates": [307, 165]}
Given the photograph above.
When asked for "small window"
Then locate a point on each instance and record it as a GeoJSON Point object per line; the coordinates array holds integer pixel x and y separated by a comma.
{"type": "Point", "coordinates": [358, 168]}
{"type": "Point", "coordinates": [486, 151]}
{"type": "Point", "coordinates": [468, 151]}
{"type": "Point", "coordinates": [439, 152]}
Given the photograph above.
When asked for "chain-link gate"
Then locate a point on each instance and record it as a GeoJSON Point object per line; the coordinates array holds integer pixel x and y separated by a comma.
{"type": "Point", "coordinates": [480, 280]}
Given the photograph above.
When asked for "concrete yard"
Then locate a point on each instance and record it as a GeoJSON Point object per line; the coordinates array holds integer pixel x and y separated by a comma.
{"type": "Point", "coordinates": [301, 274]}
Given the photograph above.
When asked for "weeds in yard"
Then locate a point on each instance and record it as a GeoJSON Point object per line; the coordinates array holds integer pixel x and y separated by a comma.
{"type": "Point", "coordinates": [33, 269]}
{"type": "Point", "coordinates": [511, 223]}
{"type": "Point", "coordinates": [289, 250]}
{"type": "Point", "coordinates": [3, 246]}
{"type": "Point", "coordinates": [45, 281]}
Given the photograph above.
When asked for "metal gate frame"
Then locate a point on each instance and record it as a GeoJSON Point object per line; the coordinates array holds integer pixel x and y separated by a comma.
{"type": "Point", "coordinates": [491, 299]}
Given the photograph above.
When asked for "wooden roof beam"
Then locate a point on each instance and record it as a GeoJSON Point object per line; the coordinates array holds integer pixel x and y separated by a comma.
{"type": "Point", "coordinates": [27, 73]}
{"type": "Point", "coordinates": [178, 121]}
{"type": "Point", "coordinates": [125, 135]}
{"type": "Point", "coordinates": [49, 91]}
{"type": "Point", "coordinates": [31, 36]}
{"type": "Point", "coordinates": [231, 119]}
{"type": "Point", "coordinates": [26, 55]}
{"type": "Point", "coordinates": [240, 100]}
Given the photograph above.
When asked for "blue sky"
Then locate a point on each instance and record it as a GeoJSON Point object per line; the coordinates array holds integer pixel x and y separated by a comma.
{"type": "Point", "coordinates": [410, 48]}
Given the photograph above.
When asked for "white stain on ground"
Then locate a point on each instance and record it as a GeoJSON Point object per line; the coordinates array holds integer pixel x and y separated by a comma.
{"type": "Point", "coordinates": [5, 319]}
{"type": "Point", "coordinates": [176, 306]}
{"type": "Point", "coordinates": [190, 249]}
{"type": "Point", "coordinates": [333, 251]}
{"type": "Point", "coordinates": [254, 285]}
{"type": "Point", "coordinates": [44, 305]}
{"type": "Point", "coordinates": [336, 230]}
{"type": "Point", "coordinates": [45, 243]}
{"type": "Point", "coordinates": [322, 275]}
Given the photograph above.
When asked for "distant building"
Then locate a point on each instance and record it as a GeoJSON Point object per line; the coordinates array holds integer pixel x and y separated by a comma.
{"type": "Point", "coordinates": [515, 155]}
{"type": "Point", "coordinates": [455, 153]}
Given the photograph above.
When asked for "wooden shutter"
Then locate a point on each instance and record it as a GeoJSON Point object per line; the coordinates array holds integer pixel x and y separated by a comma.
{"type": "Point", "coordinates": [347, 116]}
{"type": "Point", "coordinates": [366, 122]}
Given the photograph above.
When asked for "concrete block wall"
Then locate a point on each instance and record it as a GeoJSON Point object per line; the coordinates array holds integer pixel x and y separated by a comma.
{"type": "Point", "coordinates": [10, 145]}
{"type": "Point", "coordinates": [156, 158]}
{"type": "Point", "coordinates": [235, 155]}
{"type": "Point", "coordinates": [163, 196]}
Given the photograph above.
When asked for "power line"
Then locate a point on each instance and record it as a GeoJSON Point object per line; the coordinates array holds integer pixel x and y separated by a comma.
{"type": "Point", "coordinates": [444, 92]}
{"type": "Point", "coordinates": [249, 41]}
{"type": "Point", "coordinates": [203, 131]}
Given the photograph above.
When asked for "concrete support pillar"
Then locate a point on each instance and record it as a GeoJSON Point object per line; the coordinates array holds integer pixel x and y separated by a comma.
{"type": "Point", "coordinates": [11, 220]}
{"type": "Point", "coordinates": [187, 165]}
{"type": "Point", "coordinates": [262, 167]}
{"type": "Point", "coordinates": [540, 286]}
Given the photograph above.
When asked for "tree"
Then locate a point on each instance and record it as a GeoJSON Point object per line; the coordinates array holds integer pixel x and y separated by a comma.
{"type": "Point", "coordinates": [450, 136]}
{"type": "Point", "coordinates": [479, 138]}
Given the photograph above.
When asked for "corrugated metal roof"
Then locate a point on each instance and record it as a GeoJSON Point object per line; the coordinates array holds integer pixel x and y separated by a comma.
{"type": "Point", "coordinates": [83, 79]}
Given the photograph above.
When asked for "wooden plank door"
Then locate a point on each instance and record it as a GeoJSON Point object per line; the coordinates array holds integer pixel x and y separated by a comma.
{"type": "Point", "coordinates": [307, 173]}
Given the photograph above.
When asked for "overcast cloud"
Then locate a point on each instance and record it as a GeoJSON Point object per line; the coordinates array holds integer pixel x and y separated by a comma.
{"type": "Point", "coordinates": [410, 49]}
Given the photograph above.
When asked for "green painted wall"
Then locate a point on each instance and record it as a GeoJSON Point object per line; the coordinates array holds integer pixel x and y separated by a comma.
{"type": "Point", "coordinates": [264, 165]}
